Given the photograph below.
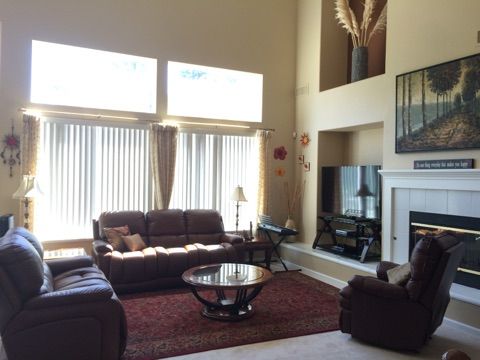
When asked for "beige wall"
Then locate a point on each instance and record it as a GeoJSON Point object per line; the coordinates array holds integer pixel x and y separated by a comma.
{"type": "Point", "coordinates": [248, 35]}
{"type": "Point", "coordinates": [419, 34]}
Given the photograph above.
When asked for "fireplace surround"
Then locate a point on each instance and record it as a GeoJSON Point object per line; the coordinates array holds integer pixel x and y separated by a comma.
{"type": "Point", "coordinates": [449, 192]}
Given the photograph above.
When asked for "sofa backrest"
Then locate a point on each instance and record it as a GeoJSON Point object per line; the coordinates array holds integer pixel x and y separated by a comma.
{"type": "Point", "coordinates": [21, 272]}
{"type": "Point", "coordinates": [204, 226]}
{"type": "Point", "coordinates": [134, 219]}
{"type": "Point", "coordinates": [166, 228]}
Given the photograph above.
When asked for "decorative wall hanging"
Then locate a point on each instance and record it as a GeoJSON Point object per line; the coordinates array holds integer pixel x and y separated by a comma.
{"type": "Point", "coordinates": [300, 159]}
{"type": "Point", "coordinates": [10, 153]}
{"type": "Point", "coordinates": [280, 171]}
{"type": "Point", "coordinates": [437, 108]}
{"type": "Point", "coordinates": [280, 153]}
{"type": "Point", "coordinates": [304, 139]}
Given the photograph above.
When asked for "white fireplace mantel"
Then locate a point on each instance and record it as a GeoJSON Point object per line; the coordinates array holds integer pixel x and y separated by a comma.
{"type": "Point", "coordinates": [452, 192]}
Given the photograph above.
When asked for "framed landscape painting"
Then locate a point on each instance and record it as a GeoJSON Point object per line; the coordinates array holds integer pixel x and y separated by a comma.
{"type": "Point", "coordinates": [438, 108]}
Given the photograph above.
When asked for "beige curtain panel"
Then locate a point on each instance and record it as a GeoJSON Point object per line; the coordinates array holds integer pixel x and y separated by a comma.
{"type": "Point", "coordinates": [30, 150]}
{"type": "Point", "coordinates": [30, 144]}
{"type": "Point", "coordinates": [163, 147]}
{"type": "Point", "coordinates": [263, 171]}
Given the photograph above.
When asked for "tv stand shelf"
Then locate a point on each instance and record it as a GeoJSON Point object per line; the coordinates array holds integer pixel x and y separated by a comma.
{"type": "Point", "coordinates": [363, 233]}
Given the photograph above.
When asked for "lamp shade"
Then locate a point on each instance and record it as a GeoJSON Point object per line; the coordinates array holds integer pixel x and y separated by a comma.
{"type": "Point", "coordinates": [28, 188]}
{"type": "Point", "coordinates": [238, 194]}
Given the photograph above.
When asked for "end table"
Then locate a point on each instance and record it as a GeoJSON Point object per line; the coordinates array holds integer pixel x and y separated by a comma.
{"type": "Point", "coordinates": [259, 244]}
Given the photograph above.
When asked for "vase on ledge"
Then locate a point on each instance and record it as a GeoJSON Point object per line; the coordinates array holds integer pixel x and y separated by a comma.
{"type": "Point", "coordinates": [359, 63]}
{"type": "Point", "coordinates": [290, 223]}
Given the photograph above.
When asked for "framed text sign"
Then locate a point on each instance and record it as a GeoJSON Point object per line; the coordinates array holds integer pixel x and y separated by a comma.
{"type": "Point", "coordinates": [443, 164]}
{"type": "Point", "coordinates": [438, 108]}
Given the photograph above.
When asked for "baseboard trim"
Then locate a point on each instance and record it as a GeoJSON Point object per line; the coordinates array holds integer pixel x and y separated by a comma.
{"type": "Point", "coordinates": [317, 275]}
{"type": "Point", "coordinates": [467, 328]}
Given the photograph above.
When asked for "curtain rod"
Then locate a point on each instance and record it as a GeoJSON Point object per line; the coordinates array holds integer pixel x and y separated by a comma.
{"type": "Point", "coordinates": [126, 118]}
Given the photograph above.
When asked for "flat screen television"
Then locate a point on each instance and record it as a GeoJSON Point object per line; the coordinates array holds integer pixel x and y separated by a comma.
{"type": "Point", "coordinates": [352, 191]}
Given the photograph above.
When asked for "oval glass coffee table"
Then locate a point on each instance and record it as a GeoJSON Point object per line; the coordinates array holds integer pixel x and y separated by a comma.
{"type": "Point", "coordinates": [235, 286]}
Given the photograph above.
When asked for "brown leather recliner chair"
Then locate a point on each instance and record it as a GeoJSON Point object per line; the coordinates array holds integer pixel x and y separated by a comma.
{"type": "Point", "coordinates": [56, 309]}
{"type": "Point", "coordinates": [403, 317]}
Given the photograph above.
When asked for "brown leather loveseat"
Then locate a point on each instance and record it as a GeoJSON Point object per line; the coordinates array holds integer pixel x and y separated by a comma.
{"type": "Point", "coordinates": [56, 309]}
{"type": "Point", "coordinates": [174, 241]}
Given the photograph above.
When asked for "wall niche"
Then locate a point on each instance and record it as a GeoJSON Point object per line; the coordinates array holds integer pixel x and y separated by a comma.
{"type": "Point", "coordinates": [336, 46]}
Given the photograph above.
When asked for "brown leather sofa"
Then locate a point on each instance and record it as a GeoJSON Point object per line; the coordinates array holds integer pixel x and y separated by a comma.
{"type": "Point", "coordinates": [403, 317]}
{"type": "Point", "coordinates": [176, 241]}
{"type": "Point", "coordinates": [56, 309]}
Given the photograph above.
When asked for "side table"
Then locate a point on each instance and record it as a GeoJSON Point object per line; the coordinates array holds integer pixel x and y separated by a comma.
{"type": "Point", "coordinates": [259, 244]}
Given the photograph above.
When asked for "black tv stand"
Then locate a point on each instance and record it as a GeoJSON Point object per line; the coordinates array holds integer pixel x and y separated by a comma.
{"type": "Point", "coordinates": [361, 231]}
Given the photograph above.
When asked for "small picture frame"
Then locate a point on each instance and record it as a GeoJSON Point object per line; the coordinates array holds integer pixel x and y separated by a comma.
{"type": "Point", "coordinates": [300, 159]}
{"type": "Point", "coordinates": [306, 166]}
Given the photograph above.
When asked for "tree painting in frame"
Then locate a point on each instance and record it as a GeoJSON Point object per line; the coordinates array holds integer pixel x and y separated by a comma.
{"type": "Point", "coordinates": [437, 108]}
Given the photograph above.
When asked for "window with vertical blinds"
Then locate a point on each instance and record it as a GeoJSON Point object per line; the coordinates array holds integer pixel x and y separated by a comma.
{"type": "Point", "coordinates": [86, 168]}
{"type": "Point", "coordinates": [209, 167]}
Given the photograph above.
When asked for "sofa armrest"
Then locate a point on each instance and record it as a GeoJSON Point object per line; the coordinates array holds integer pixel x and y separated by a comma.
{"type": "Point", "coordinates": [231, 238]}
{"type": "Point", "coordinates": [383, 267]}
{"type": "Point", "coordinates": [61, 265]}
{"type": "Point", "coordinates": [102, 246]}
{"type": "Point", "coordinates": [91, 293]}
{"type": "Point", "coordinates": [378, 288]}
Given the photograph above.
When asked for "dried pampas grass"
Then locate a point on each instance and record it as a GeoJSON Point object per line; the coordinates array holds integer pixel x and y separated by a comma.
{"type": "Point", "coordinates": [361, 33]}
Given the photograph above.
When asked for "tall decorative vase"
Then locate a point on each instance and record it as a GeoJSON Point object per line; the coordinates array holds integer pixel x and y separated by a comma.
{"type": "Point", "coordinates": [290, 223]}
{"type": "Point", "coordinates": [359, 63]}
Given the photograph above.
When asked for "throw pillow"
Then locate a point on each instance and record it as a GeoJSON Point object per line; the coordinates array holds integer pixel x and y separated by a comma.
{"type": "Point", "coordinates": [134, 242]}
{"type": "Point", "coordinates": [114, 236]}
{"type": "Point", "coordinates": [399, 275]}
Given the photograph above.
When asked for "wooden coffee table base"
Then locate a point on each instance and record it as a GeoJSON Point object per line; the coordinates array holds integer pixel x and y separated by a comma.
{"type": "Point", "coordinates": [235, 286]}
{"type": "Point", "coordinates": [229, 309]}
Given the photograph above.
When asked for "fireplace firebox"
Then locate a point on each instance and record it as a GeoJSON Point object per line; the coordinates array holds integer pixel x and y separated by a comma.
{"type": "Point", "coordinates": [467, 229]}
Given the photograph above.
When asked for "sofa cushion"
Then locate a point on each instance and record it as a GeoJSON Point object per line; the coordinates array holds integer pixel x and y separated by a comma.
{"type": "Point", "coordinates": [134, 242]}
{"type": "Point", "coordinates": [166, 228]}
{"type": "Point", "coordinates": [203, 222]}
{"type": "Point", "coordinates": [165, 222]}
{"type": "Point", "coordinates": [114, 236]}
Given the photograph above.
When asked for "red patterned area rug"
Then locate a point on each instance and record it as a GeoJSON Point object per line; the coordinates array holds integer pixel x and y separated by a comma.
{"type": "Point", "coordinates": [168, 323]}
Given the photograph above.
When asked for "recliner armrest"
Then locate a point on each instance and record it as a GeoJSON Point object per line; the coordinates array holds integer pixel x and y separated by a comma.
{"type": "Point", "coordinates": [80, 295]}
{"type": "Point", "coordinates": [102, 247]}
{"type": "Point", "coordinates": [232, 238]}
{"type": "Point", "coordinates": [61, 265]}
{"type": "Point", "coordinates": [378, 288]}
{"type": "Point", "coordinates": [383, 267]}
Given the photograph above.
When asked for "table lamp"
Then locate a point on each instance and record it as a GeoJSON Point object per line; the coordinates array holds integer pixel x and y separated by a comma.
{"type": "Point", "coordinates": [237, 196]}
{"type": "Point", "coordinates": [27, 190]}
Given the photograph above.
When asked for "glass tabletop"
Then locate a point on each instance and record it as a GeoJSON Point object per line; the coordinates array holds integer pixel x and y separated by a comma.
{"type": "Point", "coordinates": [227, 274]}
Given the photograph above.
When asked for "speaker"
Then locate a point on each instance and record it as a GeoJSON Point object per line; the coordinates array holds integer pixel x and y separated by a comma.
{"type": "Point", "coordinates": [6, 222]}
